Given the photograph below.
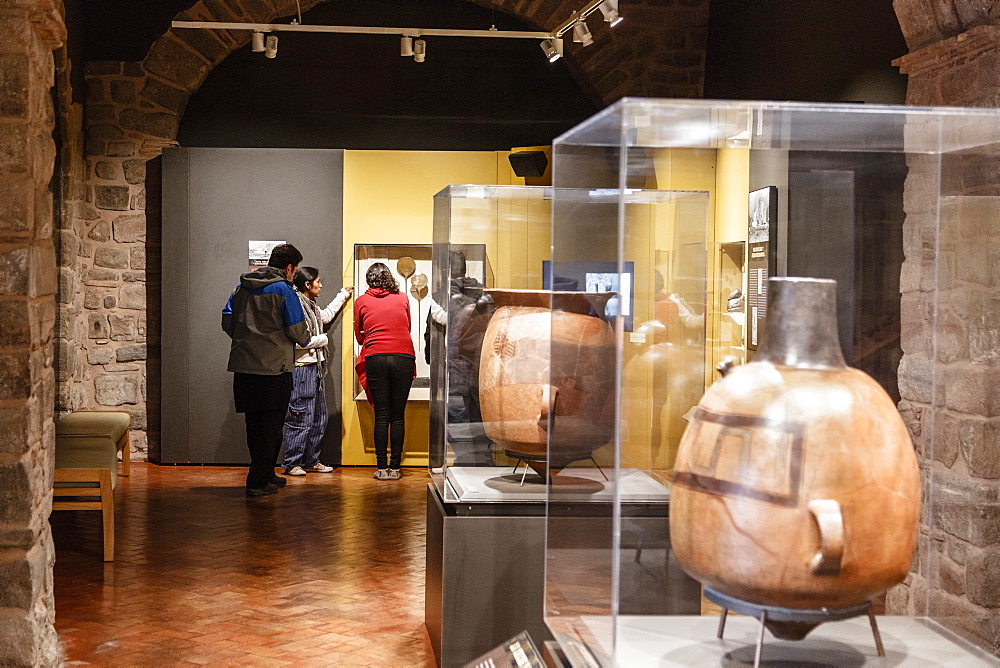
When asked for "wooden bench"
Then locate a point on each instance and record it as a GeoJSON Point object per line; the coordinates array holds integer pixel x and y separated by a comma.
{"type": "Point", "coordinates": [89, 485]}
{"type": "Point", "coordinates": [87, 447]}
{"type": "Point", "coordinates": [108, 424]}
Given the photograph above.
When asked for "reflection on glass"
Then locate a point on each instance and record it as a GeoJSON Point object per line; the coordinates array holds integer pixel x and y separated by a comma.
{"type": "Point", "coordinates": [468, 312]}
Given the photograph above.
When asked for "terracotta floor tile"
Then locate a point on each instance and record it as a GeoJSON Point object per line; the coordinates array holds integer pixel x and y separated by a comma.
{"type": "Point", "coordinates": [205, 576]}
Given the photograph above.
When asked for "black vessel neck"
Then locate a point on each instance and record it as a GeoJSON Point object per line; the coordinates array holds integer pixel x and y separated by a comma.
{"type": "Point", "coordinates": [801, 325]}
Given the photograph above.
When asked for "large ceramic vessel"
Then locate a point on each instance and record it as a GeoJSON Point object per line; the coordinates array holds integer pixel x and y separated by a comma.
{"type": "Point", "coordinates": [796, 482]}
{"type": "Point", "coordinates": [548, 354]}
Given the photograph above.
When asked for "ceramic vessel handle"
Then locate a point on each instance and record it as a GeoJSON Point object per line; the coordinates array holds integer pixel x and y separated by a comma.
{"type": "Point", "coordinates": [549, 396]}
{"type": "Point", "coordinates": [831, 533]}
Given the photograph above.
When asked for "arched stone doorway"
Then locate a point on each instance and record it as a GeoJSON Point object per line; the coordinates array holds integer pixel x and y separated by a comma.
{"type": "Point", "coordinates": [134, 110]}
{"type": "Point", "coordinates": [70, 256]}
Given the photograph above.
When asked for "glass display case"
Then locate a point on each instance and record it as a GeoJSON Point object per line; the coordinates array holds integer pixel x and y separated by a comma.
{"type": "Point", "coordinates": [490, 394]}
{"type": "Point", "coordinates": [492, 343]}
{"type": "Point", "coordinates": [898, 206]}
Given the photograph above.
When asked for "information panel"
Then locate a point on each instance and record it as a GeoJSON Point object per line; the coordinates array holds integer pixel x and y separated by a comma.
{"type": "Point", "coordinates": [763, 223]}
{"type": "Point", "coordinates": [517, 652]}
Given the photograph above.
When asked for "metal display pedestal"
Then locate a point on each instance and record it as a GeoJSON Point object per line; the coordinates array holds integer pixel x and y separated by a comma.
{"type": "Point", "coordinates": [796, 623]}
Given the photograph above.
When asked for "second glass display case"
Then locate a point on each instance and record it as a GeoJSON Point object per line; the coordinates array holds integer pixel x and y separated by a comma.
{"type": "Point", "coordinates": [491, 397]}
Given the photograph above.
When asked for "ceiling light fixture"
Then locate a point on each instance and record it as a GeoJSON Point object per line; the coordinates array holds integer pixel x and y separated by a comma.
{"type": "Point", "coordinates": [581, 33]}
{"type": "Point", "coordinates": [406, 45]}
{"type": "Point", "coordinates": [271, 46]}
{"type": "Point", "coordinates": [553, 48]}
{"type": "Point", "coordinates": [257, 42]}
{"type": "Point", "coordinates": [419, 50]}
{"type": "Point", "coordinates": [610, 10]}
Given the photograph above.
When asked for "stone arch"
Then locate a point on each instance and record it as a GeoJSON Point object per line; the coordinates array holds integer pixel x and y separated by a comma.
{"type": "Point", "coordinates": [179, 60]}
{"type": "Point", "coordinates": [638, 58]}
{"type": "Point", "coordinates": [109, 332]}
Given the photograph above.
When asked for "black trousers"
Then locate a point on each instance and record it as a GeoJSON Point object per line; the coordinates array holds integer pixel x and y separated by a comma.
{"type": "Point", "coordinates": [264, 443]}
{"type": "Point", "coordinates": [389, 380]}
{"type": "Point", "coordinates": [264, 401]}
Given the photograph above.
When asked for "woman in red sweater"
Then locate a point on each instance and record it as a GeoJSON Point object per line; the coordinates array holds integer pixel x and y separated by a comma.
{"type": "Point", "coordinates": [387, 364]}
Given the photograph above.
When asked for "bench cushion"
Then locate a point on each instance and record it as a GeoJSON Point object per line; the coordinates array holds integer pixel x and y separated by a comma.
{"type": "Point", "coordinates": [112, 424]}
{"type": "Point", "coordinates": [86, 452]}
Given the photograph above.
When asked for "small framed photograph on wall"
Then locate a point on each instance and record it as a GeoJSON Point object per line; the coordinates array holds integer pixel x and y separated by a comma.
{"type": "Point", "coordinates": [260, 253]}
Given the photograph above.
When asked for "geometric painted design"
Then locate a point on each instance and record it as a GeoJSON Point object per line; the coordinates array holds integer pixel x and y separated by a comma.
{"type": "Point", "coordinates": [743, 456]}
{"type": "Point", "coordinates": [503, 347]}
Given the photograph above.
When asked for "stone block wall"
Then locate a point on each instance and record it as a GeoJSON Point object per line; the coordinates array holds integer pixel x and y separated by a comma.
{"type": "Point", "coordinates": [950, 373]}
{"type": "Point", "coordinates": [29, 31]}
{"type": "Point", "coordinates": [110, 267]}
{"type": "Point", "coordinates": [951, 355]}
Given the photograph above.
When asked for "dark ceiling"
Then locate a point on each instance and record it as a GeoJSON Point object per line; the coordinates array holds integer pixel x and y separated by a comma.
{"type": "Point", "coordinates": [809, 50]}
{"type": "Point", "coordinates": [357, 92]}
{"type": "Point", "coordinates": [796, 37]}
{"type": "Point", "coordinates": [124, 29]}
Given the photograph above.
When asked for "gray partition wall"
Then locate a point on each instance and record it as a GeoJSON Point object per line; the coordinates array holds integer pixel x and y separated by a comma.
{"type": "Point", "coordinates": [215, 201]}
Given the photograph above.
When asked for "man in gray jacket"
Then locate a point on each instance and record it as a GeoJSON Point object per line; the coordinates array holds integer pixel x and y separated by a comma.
{"type": "Point", "coordinates": [264, 319]}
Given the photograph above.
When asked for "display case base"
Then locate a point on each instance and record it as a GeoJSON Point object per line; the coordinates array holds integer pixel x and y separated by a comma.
{"type": "Point", "coordinates": [505, 484]}
{"type": "Point", "coordinates": [665, 641]}
{"type": "Point", "coordinates": [486, 567]}
{"type": "Point", "coordinates": [484, 581]}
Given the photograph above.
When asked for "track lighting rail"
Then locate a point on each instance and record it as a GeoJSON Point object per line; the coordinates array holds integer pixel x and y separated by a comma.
{"type": "Point", "coordinates": [551, 42]}
{"type": "Point", "coordinates": [361, 30]}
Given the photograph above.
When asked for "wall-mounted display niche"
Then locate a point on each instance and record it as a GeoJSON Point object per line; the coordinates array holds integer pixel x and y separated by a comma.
{"type": "Point", "coordinates": [410, 265]}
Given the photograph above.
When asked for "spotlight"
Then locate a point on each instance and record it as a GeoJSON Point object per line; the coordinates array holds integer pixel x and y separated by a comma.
{"type": "Point", "coordinates": [419, 50]}
{"type": "Point", "coordinates": [581, 33]}
{"type": "Point", "coordinates": [257, 42]}
{"type": "Point", "coordinates": [610, 10]}
{"type": "Point", "coordinates": [271, 47]}
{"type": "Point", "coordinates": [552, 48]}
{"type": "Point", "coordinates": [406, 46]}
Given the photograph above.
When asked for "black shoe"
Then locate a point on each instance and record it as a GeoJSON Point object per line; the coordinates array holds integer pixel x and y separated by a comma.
{"type": "Point", "coordinates": [278, 481]}
{"type": "Point", "coordinates": [262, 491]}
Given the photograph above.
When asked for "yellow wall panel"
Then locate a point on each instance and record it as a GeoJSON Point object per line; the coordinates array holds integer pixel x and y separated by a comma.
{"type": "Point", "coordinates": [732, 200]}
{"type": "Point", "coordinates": [389, 199]}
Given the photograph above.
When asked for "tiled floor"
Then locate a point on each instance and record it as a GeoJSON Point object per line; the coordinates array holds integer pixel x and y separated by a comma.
{"type": "Point", "coordinates": [329, 571]}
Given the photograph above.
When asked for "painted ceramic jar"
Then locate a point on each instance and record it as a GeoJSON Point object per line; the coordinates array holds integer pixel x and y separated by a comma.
{"type": "Point", "coordinates": [539, 361]}
{"type": "Point", "coordinates": [796, 482]}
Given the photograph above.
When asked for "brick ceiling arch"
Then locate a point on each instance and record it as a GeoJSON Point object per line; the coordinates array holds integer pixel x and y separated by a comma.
{"type": "Point", "coordinates": [658, 51]}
